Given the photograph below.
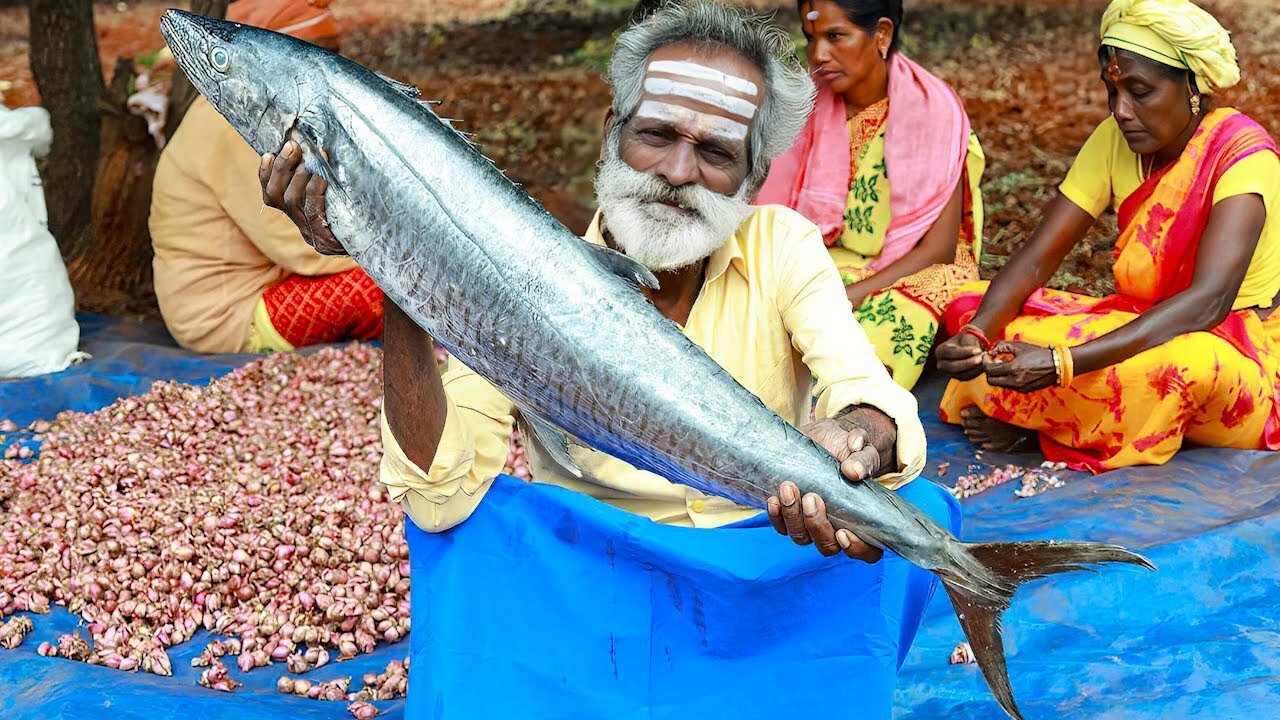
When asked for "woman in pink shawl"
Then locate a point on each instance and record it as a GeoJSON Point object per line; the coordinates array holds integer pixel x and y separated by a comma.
{"type": "Point", "coordinates": [888, 168]}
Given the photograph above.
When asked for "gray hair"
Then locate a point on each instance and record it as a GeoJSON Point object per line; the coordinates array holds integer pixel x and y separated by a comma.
{"type": "Point", "coordinates": [789, 92]}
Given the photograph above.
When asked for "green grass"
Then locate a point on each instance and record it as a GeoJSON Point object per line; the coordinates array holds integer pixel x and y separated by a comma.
{"type": "Point", "coordinates": [147, 59]}
{"type": "Point", "coordinates": [1009, 183]}
{"type": "Point", "coordinates": [594, 54]}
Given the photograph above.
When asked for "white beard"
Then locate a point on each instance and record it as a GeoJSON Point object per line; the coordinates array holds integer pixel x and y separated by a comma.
{"type": "Point", "coordinates": [659, 237]}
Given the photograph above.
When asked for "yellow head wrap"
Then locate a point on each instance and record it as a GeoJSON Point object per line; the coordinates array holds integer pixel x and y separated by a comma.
{"type": "Point", "coordinates": [1177, 33]}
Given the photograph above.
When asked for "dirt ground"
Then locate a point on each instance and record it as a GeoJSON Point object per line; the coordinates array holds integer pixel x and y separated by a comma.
{"type": "Point", "coordinates": [524, 75]}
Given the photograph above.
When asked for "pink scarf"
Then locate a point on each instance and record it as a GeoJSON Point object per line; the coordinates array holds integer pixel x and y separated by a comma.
{"type": "Point", "coordinates": [926, 144]}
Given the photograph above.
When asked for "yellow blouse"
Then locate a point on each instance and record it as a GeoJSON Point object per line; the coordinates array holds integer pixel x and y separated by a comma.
{"type": "Point", "coordinates": [1107, 172]}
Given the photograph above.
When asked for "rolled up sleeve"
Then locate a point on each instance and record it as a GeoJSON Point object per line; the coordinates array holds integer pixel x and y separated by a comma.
{"type": "Point", "coordinates": [833, 346]}
{"type": "Point", "coordinates": [472, 452]}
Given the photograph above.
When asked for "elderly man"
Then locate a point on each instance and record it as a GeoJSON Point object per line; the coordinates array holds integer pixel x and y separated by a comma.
{"type": "Point", "coordinates": [230, 277]}
{"type": "Point", "coordinates": [628, 595]}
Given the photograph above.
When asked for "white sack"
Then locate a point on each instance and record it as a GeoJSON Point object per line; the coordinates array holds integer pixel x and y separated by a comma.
{"type": "Point", "coordinates": [38, 331]}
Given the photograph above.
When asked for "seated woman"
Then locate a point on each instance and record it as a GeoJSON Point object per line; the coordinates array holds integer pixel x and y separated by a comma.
{"type": "Point", "coordinates": [1188, 347]}
{"type": "Point", "coordinates": [888, 169]}
{"type": "Point", "coordinates": [230, 274]}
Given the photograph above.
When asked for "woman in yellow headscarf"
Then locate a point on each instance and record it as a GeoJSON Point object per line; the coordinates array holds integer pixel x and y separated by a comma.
{"type": "Point", "coordinates": [1188, 349]}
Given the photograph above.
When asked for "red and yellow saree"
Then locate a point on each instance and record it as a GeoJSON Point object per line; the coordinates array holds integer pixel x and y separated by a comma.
{"type": "Point", "coordinates": [1219, 388]}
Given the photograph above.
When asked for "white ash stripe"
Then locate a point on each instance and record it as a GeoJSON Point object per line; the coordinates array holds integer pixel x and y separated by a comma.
{"type": "Point", "coordinates": [713, 125]}
{"type": "Point", "coordinates": [702, 72]}
{"type": "Point", "coordinates": [744, 109]}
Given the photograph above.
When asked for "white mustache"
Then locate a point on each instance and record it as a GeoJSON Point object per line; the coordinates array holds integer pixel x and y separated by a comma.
{"type": "Point", "coordinates": [662, 240]}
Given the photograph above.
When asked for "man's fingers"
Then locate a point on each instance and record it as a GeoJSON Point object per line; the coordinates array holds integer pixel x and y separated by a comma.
{"type": "Point", "coordinates": [789, 496]}
{"type": "Point", "coordinates": [280, 175]}
{"type": "Point", "coordinates": [264, 174]}
{"type": "Point", "coordinates": [295, 195]}
{"type": "Point", "coordinates": [862, 464]}
{"type": "Point", "coordinates": [854, 547]}
{"type": "Point", "coordinates": [819, 527]}
{"type": "Point", "coordinates": [857, 439]}
{"type": "Point", "coordinates": [315, 193]}
{"type": "Point", "coordinates": [774, 508]}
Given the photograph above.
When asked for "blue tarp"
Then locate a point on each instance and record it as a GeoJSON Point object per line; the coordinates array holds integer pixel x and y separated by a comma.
{"type": "Point", "coordinates": [1201, 638]}
{"type": "Point", "coordinates": [1198, 639]}
{"type": "Point", "coordinates": [620, 615]}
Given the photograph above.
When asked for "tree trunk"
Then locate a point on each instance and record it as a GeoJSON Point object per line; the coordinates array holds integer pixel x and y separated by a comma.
{"type": "Point", "coordinates": [182, 92]}
{"type": "Point", "coordinates": [113, 275]}
{"type": "Point", "coordinates": [116, 276]}
{"type": "Point", "coordinates": [64, 62]}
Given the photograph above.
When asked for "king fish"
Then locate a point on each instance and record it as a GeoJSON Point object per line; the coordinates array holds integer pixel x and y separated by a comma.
{"type": "Point", "coordinates": [570, 338]}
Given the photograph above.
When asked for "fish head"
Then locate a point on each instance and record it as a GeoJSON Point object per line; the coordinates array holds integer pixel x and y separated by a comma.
{"type": "Point", "coordinates": [260, 81]}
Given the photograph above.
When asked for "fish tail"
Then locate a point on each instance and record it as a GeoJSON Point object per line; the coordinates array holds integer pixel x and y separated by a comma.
{"type": "Point", "coordinates": [981, 594]}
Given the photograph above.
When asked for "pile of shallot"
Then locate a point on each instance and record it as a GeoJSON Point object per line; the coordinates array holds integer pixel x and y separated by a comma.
{"type": "Point", "coordinates": [248, 507]}
{"type": "Point", "coordinates": [1033, 480]}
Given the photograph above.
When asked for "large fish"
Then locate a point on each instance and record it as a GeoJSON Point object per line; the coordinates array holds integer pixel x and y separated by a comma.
{"type": "Point", "coordinates": [560, 325]}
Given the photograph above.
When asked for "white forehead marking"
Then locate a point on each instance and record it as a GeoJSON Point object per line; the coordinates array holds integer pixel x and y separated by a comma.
{"type": "Point", "coordinates": [744, 109]}
{"type": "Point", "coordinates": [702, 72]}
{"type": "Point", "coordinates": [812, 16]}
{"type": "Point", "coordinates": [713, 125]}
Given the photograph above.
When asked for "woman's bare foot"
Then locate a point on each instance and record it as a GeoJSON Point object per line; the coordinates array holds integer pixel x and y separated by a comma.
{"type": "Point", "coordinates": [990, 434]}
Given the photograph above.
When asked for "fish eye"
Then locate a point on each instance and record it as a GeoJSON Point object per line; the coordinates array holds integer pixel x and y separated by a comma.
{"type": "Point", "coordinates": [220, 59]}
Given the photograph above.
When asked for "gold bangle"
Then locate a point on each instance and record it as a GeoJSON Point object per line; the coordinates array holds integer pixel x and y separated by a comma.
{"type": "Point", "coordinates": [1067, 372]}
{"type": "Point", "coordinates": [1057, 363]}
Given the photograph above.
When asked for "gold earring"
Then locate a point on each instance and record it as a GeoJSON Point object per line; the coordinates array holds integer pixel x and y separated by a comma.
{"type": "Point", "coordinates": [884, 53]}
{"type": "Point", "coordinates": [1195, 104]}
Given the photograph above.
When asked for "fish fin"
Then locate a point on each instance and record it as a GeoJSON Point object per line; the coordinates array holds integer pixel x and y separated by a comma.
{"type": "Point", "coordinates": [401, 87]}
{"type": "Point", "coordinates": [979, 602]}
{"type": "Point", "coordinates": [325, 169]}
{"type": "Point", "coordinates": [322, 163]}
{"type": "Point", "coordinates": [625, 268]}
{"type": "Point", "coordinates": [466, 137]}
{"type": "Point", "coordinates": [553, 439]}
{"type": "Point", "coordinates": [410, 91]}
{"type": "Point", "coordinates": [309, 138]}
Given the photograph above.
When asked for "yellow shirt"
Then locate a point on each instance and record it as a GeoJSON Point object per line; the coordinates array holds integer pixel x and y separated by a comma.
{"type": "Point", "coordinates": [772, 311]}
{"type": "Point", "coordinates": [1107, 172]}
{"type": "Point", "coordinates": [217, 247]}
